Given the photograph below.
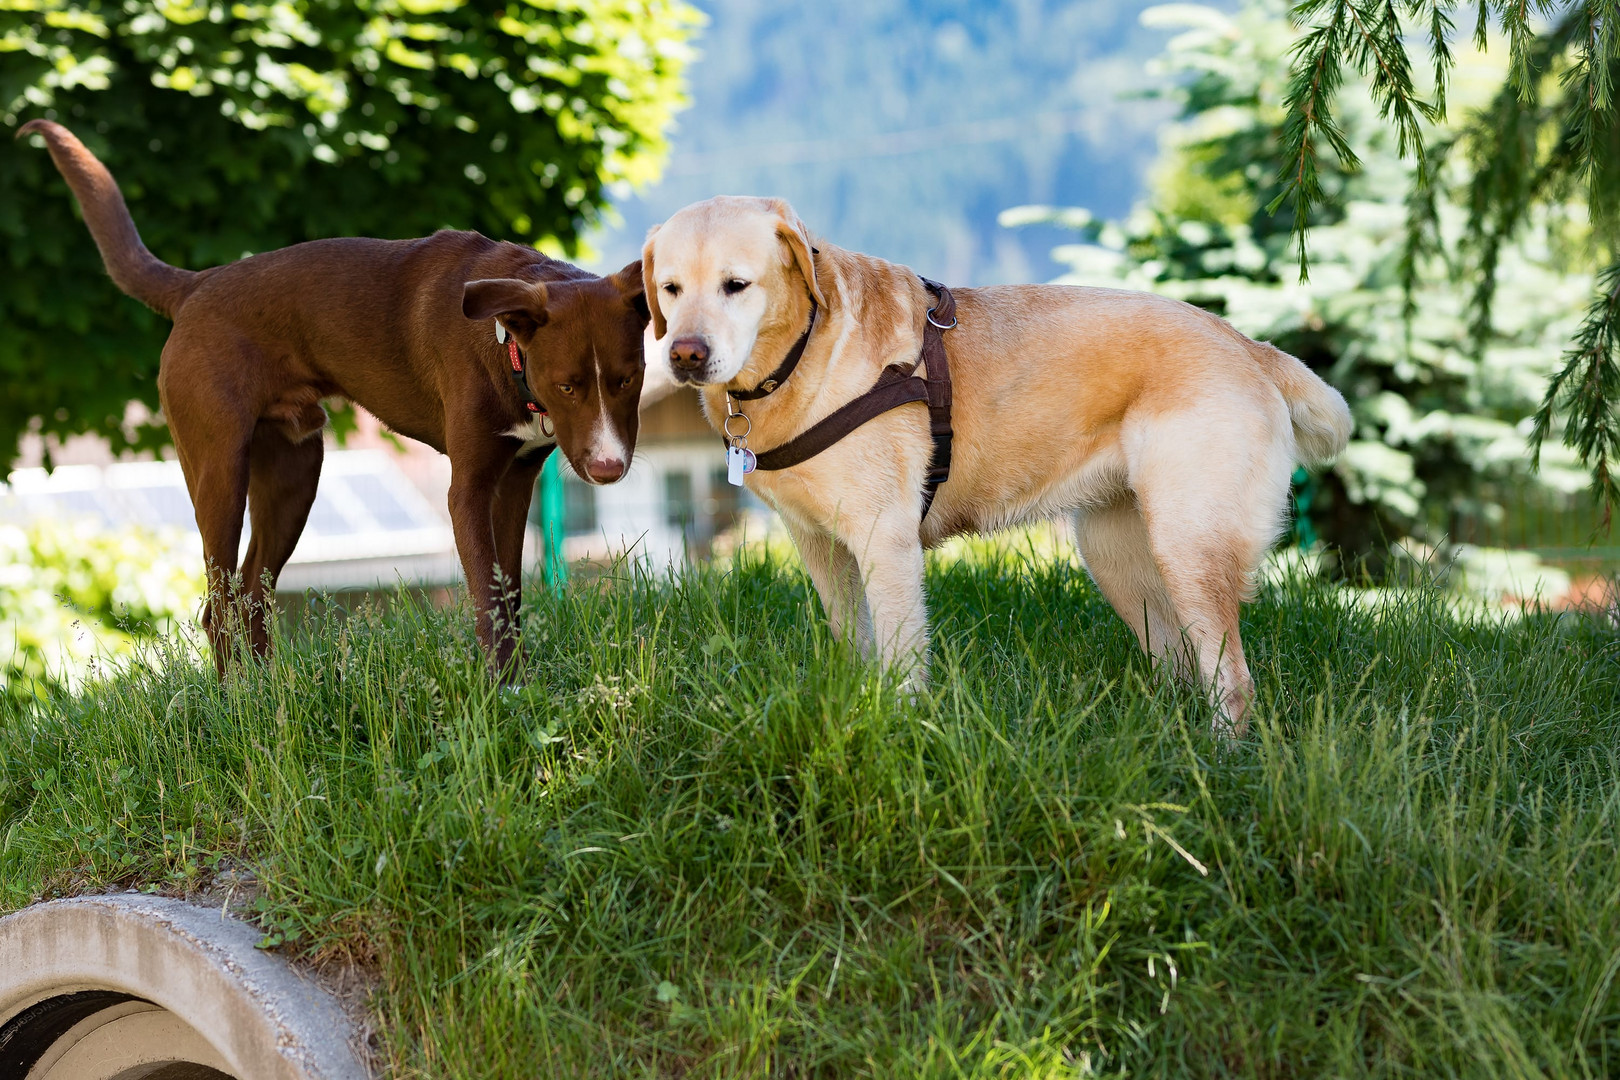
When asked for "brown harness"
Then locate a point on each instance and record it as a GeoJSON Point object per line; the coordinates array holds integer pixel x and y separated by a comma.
{"type": "Point", "coordinates": [897, 385]}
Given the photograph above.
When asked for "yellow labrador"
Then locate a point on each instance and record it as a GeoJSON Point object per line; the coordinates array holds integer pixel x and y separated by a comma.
{"type": "Point", "coordinates": [1172, 434]}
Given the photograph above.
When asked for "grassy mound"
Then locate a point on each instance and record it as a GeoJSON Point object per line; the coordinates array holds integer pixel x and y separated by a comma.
{"type": "Point", "coordinates": [705, 841]}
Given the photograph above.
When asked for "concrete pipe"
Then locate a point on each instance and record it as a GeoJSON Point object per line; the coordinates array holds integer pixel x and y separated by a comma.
{"type": "Point", "coordinates": [130, 987]}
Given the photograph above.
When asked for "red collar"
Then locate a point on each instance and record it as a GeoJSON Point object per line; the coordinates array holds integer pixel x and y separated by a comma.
{"type": "Point", "coordinates": [529, 401]}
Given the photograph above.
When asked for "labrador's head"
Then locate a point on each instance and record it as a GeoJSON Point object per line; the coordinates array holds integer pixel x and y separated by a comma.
{"type": "Point", "coordinates": [722, 275]}
{"type": "Point", "coordinates": [582, 339]}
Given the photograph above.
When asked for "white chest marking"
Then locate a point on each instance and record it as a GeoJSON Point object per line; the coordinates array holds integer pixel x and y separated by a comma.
{"type": "Point", "coordinates": [531, 434]}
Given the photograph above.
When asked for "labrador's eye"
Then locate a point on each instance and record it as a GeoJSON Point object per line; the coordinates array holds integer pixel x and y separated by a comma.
{"type": "Point", "coordinates": [735, 286]}
{"type": "Point", "coordinates": [672, 289]}
{"type": "Point", "coordinates": [566, 389]}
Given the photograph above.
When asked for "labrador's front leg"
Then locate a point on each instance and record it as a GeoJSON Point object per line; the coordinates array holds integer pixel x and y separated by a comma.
{"type": "Point", "coordinates": [891, 566]}
{"type": "Point", "coordinates": [837, 578]}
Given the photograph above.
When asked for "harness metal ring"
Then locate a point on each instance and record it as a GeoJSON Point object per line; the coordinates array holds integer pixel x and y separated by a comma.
{"type": "Point", "coordinates": [547, 428]}
{"type": "Point", "coordinates": [726, 426]}
{"type": "Point", "coordinates": [940, 325]}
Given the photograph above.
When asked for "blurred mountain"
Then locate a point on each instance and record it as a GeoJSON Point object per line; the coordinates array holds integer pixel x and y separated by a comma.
{"type": "Point", "coordinates": [903, 127]}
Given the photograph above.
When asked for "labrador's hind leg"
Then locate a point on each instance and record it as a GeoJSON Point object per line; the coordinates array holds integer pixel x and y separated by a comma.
{"type": "Point", "coordinates": [1114, 542]}
{"type": "Point", "coordinates": [1212, 506]}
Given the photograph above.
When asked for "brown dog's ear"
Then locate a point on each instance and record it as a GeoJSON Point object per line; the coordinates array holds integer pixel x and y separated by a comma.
{"type": "Point", "coordinates": [520, 306]}
{"type": "Point", "coordinates": [791, 231]}
{"type": "Point", "coordinates": [633, 289]}
{"type": "Point", "coordinates": [649, 285]}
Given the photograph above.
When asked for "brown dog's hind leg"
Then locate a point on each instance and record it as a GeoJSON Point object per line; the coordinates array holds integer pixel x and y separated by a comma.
{"type": "Point", "coordinates": [281, 488]}
{"type": "Point", "coordinates": [210, 400]}
{"type": "Point", "coordinates": [218, 482]}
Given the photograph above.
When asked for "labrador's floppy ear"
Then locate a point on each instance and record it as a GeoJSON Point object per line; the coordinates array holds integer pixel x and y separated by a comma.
{"type": "Point", "coordinates": [520, 306]}
{"type": "Point", "coordinates": [791, 231]}
{"type": "Point", "coordinates": [649, 284]}
{"type": "Point", "coordinates": [633, 288]}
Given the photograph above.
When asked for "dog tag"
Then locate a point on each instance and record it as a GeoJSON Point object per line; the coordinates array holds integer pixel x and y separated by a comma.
{"type": "Point", "coordinates": [736, 465]}
{"type": "Point", "coordinates": [750, 462]}
{"type": "Point", "coordinates": [500, 332]}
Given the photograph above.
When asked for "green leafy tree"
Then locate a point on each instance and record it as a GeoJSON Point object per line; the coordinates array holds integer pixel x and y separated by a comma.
{"type": "Point", "coordinates": [1550, 133]}
{"type": "Point", "coordinates": [1440, 425]}
{"type": "Point", "coordinates": [242, 127]}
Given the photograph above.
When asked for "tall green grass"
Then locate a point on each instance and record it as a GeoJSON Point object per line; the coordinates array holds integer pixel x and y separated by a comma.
{"type": "Point", "coordinates": [705, 841]}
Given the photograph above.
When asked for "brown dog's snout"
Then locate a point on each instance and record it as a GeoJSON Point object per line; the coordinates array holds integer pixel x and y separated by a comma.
{"type": "Point", "coordinates": [604, 470]}
{"type": "Point", "coordinates": [688, 354]}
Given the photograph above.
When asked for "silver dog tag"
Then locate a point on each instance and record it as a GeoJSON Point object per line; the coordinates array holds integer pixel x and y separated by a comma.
{"type": "Point", "coordinates": [500, 332]}
{"type": "Point", "coordinates": [736, 465]}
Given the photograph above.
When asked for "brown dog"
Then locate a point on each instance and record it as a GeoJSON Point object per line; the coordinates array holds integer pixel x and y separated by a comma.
{"type": "Point", "coordinates": [401, 327]}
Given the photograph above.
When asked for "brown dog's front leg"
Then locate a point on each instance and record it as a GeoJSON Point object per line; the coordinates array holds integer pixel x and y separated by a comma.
{"type": "Point", "coordinates": [511, 514]}
{"type": "Point", "coordinates": [472, 500]}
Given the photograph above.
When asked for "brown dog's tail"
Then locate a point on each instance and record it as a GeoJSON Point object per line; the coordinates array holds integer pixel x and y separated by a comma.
{"type": "Point", "coordinates": [138, 272]}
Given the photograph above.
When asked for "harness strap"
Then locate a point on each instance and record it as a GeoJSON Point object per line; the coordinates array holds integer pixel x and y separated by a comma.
{"type": "Point", "coordinates": [940, 318]}
{"type": "Point", "coordinates": [896, 386]}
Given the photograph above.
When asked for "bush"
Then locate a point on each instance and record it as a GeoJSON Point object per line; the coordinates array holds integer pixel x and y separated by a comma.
{"type": "Point", "coordinates": [74, 595]}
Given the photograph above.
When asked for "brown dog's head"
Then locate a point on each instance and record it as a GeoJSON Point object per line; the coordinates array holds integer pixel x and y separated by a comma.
{"type": "Point", "coordinates": [724, 275]}
{"type": "Point", "coordinates": [582, 348]}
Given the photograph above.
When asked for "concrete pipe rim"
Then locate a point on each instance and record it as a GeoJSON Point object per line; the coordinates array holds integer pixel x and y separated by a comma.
{"type": "Point", "coordinates": [135, 987]}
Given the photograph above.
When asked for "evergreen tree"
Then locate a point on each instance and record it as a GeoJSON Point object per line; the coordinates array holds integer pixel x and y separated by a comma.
{"type": "Point", "coordinates": [1550, 133]}
{"type": "Point", "coordinates": [1440, 424]}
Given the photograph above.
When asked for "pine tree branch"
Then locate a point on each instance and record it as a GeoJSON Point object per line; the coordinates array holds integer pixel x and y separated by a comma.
{"type": "Point", "coordinates": [1515, 166]}
{"type": "Point", "coordinates": [1436, 16]}
{"type": "Point", "coordinates": [1588, 87]}
{"type": "Point", "coordinates": [1381, 54]}
{"type": "Point", "coordinates": [1584, 393]}
{"type": "Point", "coordinates": [1422, 239]}
{"type": "Point", "coordinates": [1506, 141]}
{"type": "Point", "coordinates": [1314, 78]}
{"type": "Point", "coordinates": [1515, 16]}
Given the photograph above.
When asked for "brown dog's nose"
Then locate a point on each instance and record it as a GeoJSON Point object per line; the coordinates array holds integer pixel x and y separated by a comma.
{"type": "Point", "coordinates": [688, 353]}
{"type": "Point", "coordinates": [604, 470]}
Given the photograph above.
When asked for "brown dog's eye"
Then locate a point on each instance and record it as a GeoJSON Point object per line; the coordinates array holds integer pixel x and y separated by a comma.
{"type": "Point", "coordinates": [567, 389]}
{"type": "Point", "coordinates": [735, 286]}
{"type": "Point", "coordinates": [625, 382]}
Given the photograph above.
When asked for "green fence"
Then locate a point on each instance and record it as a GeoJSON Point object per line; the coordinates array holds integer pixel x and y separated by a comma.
{"type": "Point", "coordinates": [1563, 529]}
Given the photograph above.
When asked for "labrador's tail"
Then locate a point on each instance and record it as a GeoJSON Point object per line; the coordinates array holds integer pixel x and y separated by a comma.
{"type": "Point", "coordinates": [1320, 417]}
{"type": "Point", "coordinates": [138, 272]}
